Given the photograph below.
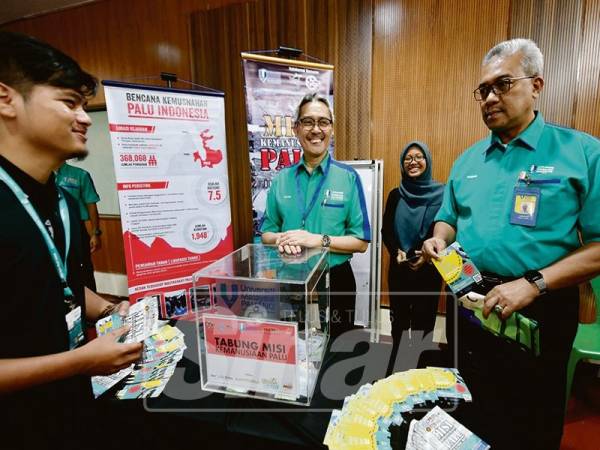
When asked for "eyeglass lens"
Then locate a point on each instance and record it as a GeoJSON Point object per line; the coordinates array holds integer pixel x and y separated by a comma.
{"type": "Point", "coordinates": [499, 87]}
{"type": "Point", "coordinates": [309, 123]}
{"type": "Point", "coordinates": [417, 158]}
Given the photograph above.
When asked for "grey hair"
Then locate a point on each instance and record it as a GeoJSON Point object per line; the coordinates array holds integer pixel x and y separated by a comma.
{"type": "Point", "coordinates": [532, 61]}
{"type": "Point", "coordinates": [312, 97]}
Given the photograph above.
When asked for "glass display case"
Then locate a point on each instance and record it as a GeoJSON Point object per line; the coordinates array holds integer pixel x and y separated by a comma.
{"type": "Point", "coordinates": [263, 322]}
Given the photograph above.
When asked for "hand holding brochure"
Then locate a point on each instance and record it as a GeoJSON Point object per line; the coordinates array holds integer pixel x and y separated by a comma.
{"type": "Point", "coordinates": [461, 275]}
{"type": "Point", "coordinates": [457, 269]}
{"type": "Point", "coordinates": [142, 320]}
{"type": "Point", "coordinates": [149, 376]}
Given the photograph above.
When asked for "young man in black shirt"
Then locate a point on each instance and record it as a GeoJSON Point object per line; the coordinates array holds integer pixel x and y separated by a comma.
{"type": "Point", "coordinates": [45, 361]}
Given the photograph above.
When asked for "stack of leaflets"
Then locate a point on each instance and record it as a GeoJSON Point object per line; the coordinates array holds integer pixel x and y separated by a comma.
{"type": "Point", "coordinates": [163, 349]}
{"type": "Point", "coordinates": [440, 431]}
{"type": "Point", "coordinates": [462, 277]}
{"type": "Point", "coordinates": [366, 419]}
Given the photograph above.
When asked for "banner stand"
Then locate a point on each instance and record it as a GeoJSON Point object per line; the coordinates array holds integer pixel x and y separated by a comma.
{"type": "Point", "coordinates": [170, 160]}
{"type": "Point", "coordinates": [274, 86]}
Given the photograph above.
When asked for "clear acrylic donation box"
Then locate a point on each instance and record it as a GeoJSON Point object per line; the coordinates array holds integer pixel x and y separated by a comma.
{"type": "Point", "coordinates": [263, 323]}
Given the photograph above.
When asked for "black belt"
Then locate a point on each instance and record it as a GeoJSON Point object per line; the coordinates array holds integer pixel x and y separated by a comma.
{"type": "Point", "coordinates": [491, 280]}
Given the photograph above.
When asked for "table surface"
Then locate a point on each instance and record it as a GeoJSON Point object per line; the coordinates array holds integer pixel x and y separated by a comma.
{"type": "Point", "coordinates": [350, 361]}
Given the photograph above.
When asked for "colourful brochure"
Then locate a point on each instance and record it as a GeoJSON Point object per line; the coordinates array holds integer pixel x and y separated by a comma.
{"type": "Point", "coordinates": [457, 270]}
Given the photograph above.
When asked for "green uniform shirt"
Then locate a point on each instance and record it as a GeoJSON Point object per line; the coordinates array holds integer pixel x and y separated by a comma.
{"type": "Point", "coordinates": [563, 163]}
{"type": "Point", "coordinates": [329, 201]}
{"type": "Point", "coordinates": [79, 184]}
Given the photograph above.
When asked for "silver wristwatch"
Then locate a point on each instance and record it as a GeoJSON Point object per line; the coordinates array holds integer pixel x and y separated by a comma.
{"type": "Point", "coordinates": [533, 276]}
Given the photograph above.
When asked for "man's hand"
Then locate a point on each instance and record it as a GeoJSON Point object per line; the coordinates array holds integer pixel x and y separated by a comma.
{"type": "Point", "coordinates": [95, 243]}
{"type": "Point", "coordinates": [400, 257]}
{"type": "Point", "coordinates": [432, 247]}
{"type": "Point", "coordinates": [291, 242]}
{"type": "Point", "coordinates": [510, 297]}
{"type": "Point", "coordinates": [122, 308]}
{"type": "Point", "coordinates": [416, 264]}
{"type": "Point", "coordinates": [105, 355]}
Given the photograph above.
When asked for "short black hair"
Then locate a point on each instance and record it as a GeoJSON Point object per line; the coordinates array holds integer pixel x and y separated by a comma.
{"type": "Point", "coordinates": [26, 62]}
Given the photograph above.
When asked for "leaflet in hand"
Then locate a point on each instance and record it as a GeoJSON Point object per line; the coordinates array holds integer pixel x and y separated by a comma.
{"type": "Point", "coordinates": [457, 269]}
{"type": "Point", "coordinates": [142, 320]}
{"type": "Point", "coordinates": [162, 352]}
{"type": "Point", "coordinates": [102, 383]}
{"type": "Point", "coordinates": [149, 376]}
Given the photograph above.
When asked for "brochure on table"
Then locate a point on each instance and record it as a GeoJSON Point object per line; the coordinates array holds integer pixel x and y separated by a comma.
{"type": "Point", "coordinates": [264, 324]}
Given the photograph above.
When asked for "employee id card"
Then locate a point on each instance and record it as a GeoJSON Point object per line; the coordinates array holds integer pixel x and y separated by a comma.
{"type": "Point", "coordinates": [525, 206]}
{"type": "Point", "coordinates": [75, 327]}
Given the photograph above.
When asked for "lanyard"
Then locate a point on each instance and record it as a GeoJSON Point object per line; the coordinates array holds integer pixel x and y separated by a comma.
{"type": "Point", "coordinates": [300, 194]}
{"type": "Point", "coordinates": [59, 264]}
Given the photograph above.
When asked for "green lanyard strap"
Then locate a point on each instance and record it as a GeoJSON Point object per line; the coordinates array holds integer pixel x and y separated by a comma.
{"type": "Point", "coordinates": [59, 264]}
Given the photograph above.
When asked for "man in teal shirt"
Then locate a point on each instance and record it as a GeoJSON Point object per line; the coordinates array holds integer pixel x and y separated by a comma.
{"type": "Point", "coordinates": [523, 204]}
{"type": "Point", "coordinates": [78, 182]}
{"type": "Point", "coordinates": [320, 203]}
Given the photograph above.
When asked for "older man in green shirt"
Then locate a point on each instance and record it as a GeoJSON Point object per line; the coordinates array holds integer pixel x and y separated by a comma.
{"type": "Point", "coordinates": [320, 203]}
{"type": "Point", "coordinates": [523, 204]}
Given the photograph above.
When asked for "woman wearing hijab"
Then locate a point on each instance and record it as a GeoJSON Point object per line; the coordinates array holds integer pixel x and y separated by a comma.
{"type": "Point", "coordinates": [407, 222]}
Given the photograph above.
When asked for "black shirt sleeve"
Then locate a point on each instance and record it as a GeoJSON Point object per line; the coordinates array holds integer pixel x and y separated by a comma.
{"type": "Point", "coordinates": [387, 231]}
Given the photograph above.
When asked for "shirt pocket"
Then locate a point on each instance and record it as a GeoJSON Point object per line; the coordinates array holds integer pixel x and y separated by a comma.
{"type": "Point", "coordinates": [558, 198]}
{"type": "Point", "coordinates": [333, 215]}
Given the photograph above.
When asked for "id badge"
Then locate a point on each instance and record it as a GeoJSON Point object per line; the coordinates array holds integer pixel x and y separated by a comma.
{"type": "Point", "coordinates": [75, 327]}
{"type": "Point", "coordinates": [525, 206]}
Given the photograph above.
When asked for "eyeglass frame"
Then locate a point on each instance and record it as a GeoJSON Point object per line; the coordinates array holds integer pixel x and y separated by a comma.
{"type": "Point", "coordinates": [315, 122]}
{"type": "Point", "coordinates": [492, 89]}
{"type": "Point", "coordinates": [417, 158]}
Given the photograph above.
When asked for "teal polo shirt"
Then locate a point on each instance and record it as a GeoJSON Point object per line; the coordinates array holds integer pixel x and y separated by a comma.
{"type": "Point", "coordinates": [79, 184]}
{"type": "Point", "coordinates": [563, 163]}
{"type": "Point", "coordinates": [329, 201]}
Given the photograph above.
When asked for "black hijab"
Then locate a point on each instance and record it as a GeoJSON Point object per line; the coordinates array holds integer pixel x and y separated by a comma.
{"type": "Point", "coordinates": [420, 200]}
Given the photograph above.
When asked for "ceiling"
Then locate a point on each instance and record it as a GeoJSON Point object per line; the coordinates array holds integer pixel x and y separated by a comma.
{"type": "Point", "coordinates": [11, 10]}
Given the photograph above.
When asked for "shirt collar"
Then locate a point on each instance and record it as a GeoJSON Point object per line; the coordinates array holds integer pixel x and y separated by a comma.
{"type": "Point", "coordinates": [529, 137]}
{"type": "Point", "coordinates": [323, 165]}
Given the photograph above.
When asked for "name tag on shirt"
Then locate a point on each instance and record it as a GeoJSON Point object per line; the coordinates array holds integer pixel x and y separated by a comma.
{"type": "Point", "coordinates": [525, 206]}
{"type": "Point", "coordinates": [75, 327]}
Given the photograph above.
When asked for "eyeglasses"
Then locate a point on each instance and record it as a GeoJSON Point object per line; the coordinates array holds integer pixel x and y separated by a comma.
{"type": "Point", "coordinates": [417, 158]}
{"type": "Point", "coordinates": [502, 86]}
{"type": "Point", "coordinates": [308, 123]}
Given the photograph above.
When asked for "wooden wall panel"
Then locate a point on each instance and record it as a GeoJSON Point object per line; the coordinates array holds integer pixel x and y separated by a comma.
{"type": "Point", "coordinates": [587, 111]}
{"type": "Point", "coordinates": [425, 66]}
{"type": "Point", "coordinates": [122, 39]}
{"type": "Point", "coordinates": [555, 25]}
{"type": "Point", "coordinates": [330, 31]}
{"type": "Point", "coordinates": [353, 50]}
{"type": "Point", "coordinates": [111, 256]}
{"type": "Point", "coordinates": [426, 63]}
